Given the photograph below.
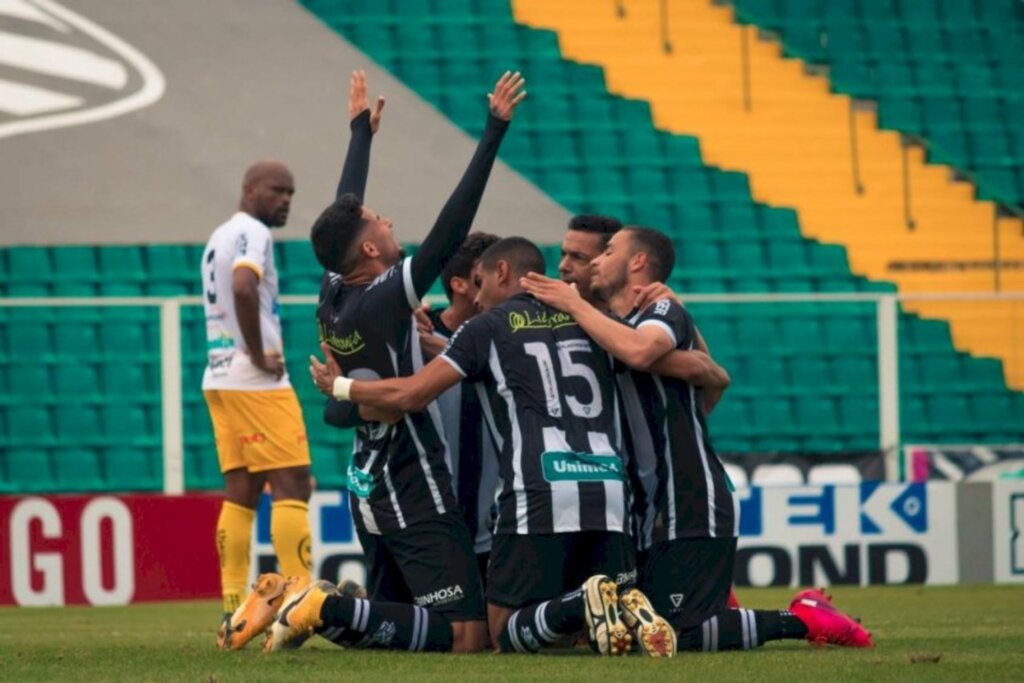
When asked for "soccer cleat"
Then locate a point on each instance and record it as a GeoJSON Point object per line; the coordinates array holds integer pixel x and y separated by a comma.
{"type": "Point", "coordinates": [254, 615]}
{"type": "Point", "coordinates": [825, 624]}
{"type": "Point", "coordinates": [299, 616]}
{"type": "Point", "coordinates": [608, 635]}
{"type": "Point", "coordinates": [652, 632]}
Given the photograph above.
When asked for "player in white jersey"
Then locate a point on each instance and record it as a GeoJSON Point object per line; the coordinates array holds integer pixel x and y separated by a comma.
{"type": "Point", "coordinates": [257, 420]}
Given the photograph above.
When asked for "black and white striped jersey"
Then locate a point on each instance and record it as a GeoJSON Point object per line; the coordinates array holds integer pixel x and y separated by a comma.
{"type": "Point", "coordinates": [400, 474]}
{"type": "Point", "coordinates": [474, 457]}
{"type": "Point", "coordinates": [680, 488]}
{"type": "Point", "coordinates": [551, 406]}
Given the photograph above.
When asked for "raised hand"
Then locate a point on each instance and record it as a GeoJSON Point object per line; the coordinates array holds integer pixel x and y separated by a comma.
{"type": "Point", "coordinates": [325, 373]}
{"type": "Point", "coordinates": [554, 293]}
{"type": "Point", "coordinates": [358, 101]}
{"type": "Point", "coordinates": [507, 95]}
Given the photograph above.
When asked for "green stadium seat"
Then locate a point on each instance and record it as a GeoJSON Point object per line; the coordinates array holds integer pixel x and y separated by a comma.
{"type": "Point", "coordinates": [78, 382]}
{"type": "Point", "coordinates": [120, 380]}
{"type": "Point", "coordinates": [586, 78]}
{"type": "Point", "coordinates": [641, 144]}
{"type": "Point", "coordinates": [859, 415]}
{"type": "Point", "coordinates": [594, 110]}
{"type": "Point", "coordinates": [548, 75]}
{"type": "Point", "coordinates": [926, 336]}
{"type": "Point", "coordinates": [80, 426]}
{"type": "Point", "coordinates": [653, 215]}
{"type": "Point", "coordinates": [948, 147]}
{"type": "Point", "coordinates": [828, 259]}
{"type": "Point", "coordinates": [29, 426]}
{"type": "Point", "coordinates": [602, 147]}
{"type": "Point", "coordinates": [557, 149]}
{"type": "Point", "coordinates": [990, 148]}
{"type": "Point", "coordinates": [913, 421]}
{"type": "Point", "coordinates": [738, 222]}
{"type": "Point", "coordinates": [854, 78]}
{"type": "Point", "coordinates": [423, 75]}
{"type": "Point", "coordinates": [127, 425]}
{"type": "Point", "coordinates": [122, 264]}
{"type": "Point", "coordinates": [731, 186]}
{"type": "Point", "coordinates": [899, 113]}
{"type": "Point", "coordinates": [202, 470]}
{"type": "Point", "coordinates": [854, 374]}
{"type": "Point", "coordinates": [696, 258]}
{"type": "Point", "coordinates": [565, 187]}
{"type": "Point", "coordinates": [817, 417]}
{"type": "Point", "coordinates": [29, 264]}
{"type": "Point", "coordinates": [940, 373]}
{"type": "Point", "coordinates": [691, 184]}
{"type": "Point", "coordinates": [965, 41]}
{"type": "Point", "coordinates": [29, 342]}
{"type": "Point", "coordinates": [789, 257]}
{"type": "Point", "coordinates": [730, 417]}
{"type": "Point", "coordinates": [747, 258]}
{"type": "Point", "coordinates": [74, 264]}
{"type": "Point", "coordinates": [603, 183]}
{"type": "Point", "coordinates": [29, 471]}
{"type": "Point", "coordinates": [329, 468]}
{"type": "Point", "coordinates": [681, 150]}
{"type": "Point", "coordinates": [124, 341]}
{"type": "Point", "coordinates": [645, 184]}
{"type": "Point", "coordinates": [949, 418]}
{"type": "Point", "coordinates": [894, 79]}
{"type": "Point", "coordinates": [805, 40]}
{"type": "Point", "coordinates": [77, 469]}
{"type": "Point", "coordinates": [774, 425]}
{"type": "Point", "coordinates": [169, 262]}
{"type": "Point", "coordinates": [808, 375]}
{"type": "Point", "coordinates": [941, 113]}
{"type": "Point", "coordinates": [981, 374]}
{"type": "Point", "coordinates": [995, 413]}
{"type": "Point", "coordinates": [132, 469]}
{"type": "Point", "coordinates": [999, 184]}
{"type": "Point", "coordinates": [500, 39]}
{"type": "Point", "coordinates": [768, 374]}
{"type": "Point", "coordinates": [30, 384]}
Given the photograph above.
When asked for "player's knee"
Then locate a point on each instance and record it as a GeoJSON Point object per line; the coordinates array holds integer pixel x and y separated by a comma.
{"type": "Point", "coordinates": [291, 483]}
{"type": "Point", "coordinates": [469, 636]}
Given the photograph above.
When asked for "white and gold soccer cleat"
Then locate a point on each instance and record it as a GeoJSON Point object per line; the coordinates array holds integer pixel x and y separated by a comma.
{"type": "Point", "coordinates": [652, 632]}
{"type": "Point", "coordinates": [299, 616]}
{"type": "Point", "coordinates": [608, 634]}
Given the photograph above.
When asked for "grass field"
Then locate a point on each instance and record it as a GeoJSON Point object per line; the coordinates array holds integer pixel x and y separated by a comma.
{"type": "Point", "coordinates": [976, 633]}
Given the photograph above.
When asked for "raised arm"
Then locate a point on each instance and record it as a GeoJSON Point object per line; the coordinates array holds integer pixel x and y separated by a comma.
{"type": "Point", "coordinates": [364, 124]}
{"type": "Point", "coordinates": [402, 394]}
{"type": "Point", "coordinates": [637, 348]}
{"type": "Point", "coordinates": [456, 218]}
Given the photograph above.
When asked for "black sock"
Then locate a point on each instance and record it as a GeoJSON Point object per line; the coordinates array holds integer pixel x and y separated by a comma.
{"type": "Point", "coordinates": [741, 629]}
{"type": "Point", "coordinates": [383, 625]}
{"type": "Point", "coordinates": [531, 628]}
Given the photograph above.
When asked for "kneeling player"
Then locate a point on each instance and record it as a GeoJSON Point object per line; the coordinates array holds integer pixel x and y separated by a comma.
{"type": "Point", "coordinates": [685, 513]}
{"type": "Point", "coordinates": [560, 541]}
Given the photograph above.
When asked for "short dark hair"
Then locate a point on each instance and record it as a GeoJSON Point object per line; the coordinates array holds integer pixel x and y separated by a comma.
{"type": "Point", "coordinates": [661, 253]}
{"type": "Point", "coordinates": [461, 264]}
{"type": "Point", "coordinates": [334, 232]}
{"type": "Point", "coordinates": [596, 224]}
{"type": "Point", "coordinates": [521, 254]}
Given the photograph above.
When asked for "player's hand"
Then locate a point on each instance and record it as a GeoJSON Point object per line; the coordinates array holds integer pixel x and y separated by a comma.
{"type": "Point", "coordinates": [432, 346]}
{"type": "Point", "coordinates": [507, 95]}
{"type": "Point", "coordinates": [324, 374]}
{"type": "Point", "coordinates": [424, 325]}
{"type": "Point", "coordinates": [270, 363]}
{"type": "Point", "coordinates": [358, 101]}
{"type": "Point", "coordinates": [647, 295]}
{"type": "Point", "coordinates": [554, 293]}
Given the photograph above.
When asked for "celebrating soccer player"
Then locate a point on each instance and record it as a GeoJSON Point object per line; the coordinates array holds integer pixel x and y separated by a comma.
{"type": "Point", "coordinates": [684, 506]}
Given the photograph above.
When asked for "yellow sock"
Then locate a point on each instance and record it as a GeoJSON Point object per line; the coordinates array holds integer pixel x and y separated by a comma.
{"type": "Point", "coordinates": [289, 532]}
{"type": "Point", "coordinates": [234, 536]}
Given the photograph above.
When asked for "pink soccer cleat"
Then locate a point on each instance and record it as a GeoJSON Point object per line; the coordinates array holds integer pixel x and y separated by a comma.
{"type": "Point", "coordinates": [825, 624]}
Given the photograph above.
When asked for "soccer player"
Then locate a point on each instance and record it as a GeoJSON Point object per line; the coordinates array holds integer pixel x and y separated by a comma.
{"type": "Point", "coordinates": [560, 544]}
{"type": "Point", "coordinates": [257, 420]}
{"type": "Point", "coordinates": [474, 461]}
{"type": "Point", "coordinates": [586, 238]}
{"type": "Point", "coordinates": [684, 506]}
{"type": "Point", "coordinates": [417, 547]}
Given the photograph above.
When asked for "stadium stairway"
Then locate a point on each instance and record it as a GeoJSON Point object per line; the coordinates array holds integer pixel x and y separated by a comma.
{"type": "Point", "coordinates": [795, 145]}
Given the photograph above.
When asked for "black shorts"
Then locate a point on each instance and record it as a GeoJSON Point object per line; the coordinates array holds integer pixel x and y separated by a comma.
{"type": "Point", "coordinates": [430, 564]}
{"type": "Point", "coordinates": [526, 569]}
{"type": "Point", "coordinates": [688, 580]}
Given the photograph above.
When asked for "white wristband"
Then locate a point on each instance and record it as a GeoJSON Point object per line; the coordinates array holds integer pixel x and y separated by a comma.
{"type": "Point", "coordinates": [342, 385]}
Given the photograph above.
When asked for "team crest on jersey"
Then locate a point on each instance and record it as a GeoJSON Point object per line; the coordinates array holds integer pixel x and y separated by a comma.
{"type": "Point", "coordinates": [661, 308]}
{"type": "Point", "coordinates": [677, 600]}
{"type": "Point", "coordinates": [524, 320]}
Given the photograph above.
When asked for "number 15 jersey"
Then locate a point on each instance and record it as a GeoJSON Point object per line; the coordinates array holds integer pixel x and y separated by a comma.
{"type": "Point", "coordinates": [548, 399]}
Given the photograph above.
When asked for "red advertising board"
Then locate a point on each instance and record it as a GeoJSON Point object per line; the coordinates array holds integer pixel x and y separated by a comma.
{"type": "Point", "coordinates": [107, 550]}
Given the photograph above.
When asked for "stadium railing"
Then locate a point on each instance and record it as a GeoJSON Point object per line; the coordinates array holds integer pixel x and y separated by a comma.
{"type": "Point", "coordinates": [887, 318]}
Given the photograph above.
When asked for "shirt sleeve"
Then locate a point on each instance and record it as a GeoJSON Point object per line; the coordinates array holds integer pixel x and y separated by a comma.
{"type": "Point", "coordinates": [252, 247]}
{"type": "Point", "coordinates": [468, 350]}
{"type": "Point", "coordinates": [670, 317]}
